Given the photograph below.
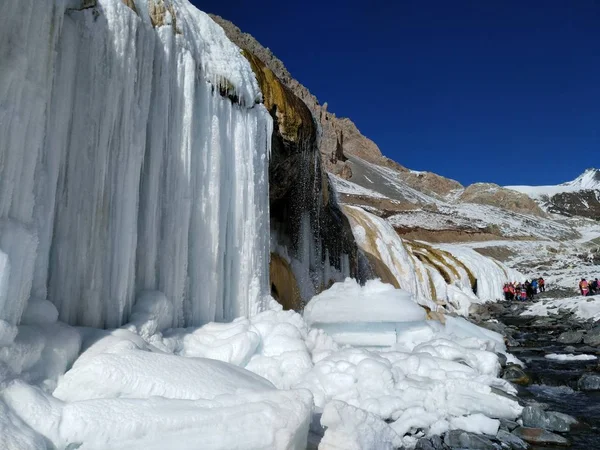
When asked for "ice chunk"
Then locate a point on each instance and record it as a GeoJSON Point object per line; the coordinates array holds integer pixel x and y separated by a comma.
{"type": "Point", "coordinates": [39, 312]}
{"type": "Point", "coordinates": [152, 312]}
{"type": "Point", "coordinates": [375, 302]}
{"type": "Point", "coordinates": [350, 428]}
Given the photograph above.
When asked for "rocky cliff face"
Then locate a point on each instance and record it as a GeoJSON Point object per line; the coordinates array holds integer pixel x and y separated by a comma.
{"type": "Point", "coordinates": [338, 137]}
{"type": "Point", "coordinates": [579, 197]}
{"type": "Point", "coordinates": [312, 243]}
{"type": "Point", "coordinates": [584, 203]}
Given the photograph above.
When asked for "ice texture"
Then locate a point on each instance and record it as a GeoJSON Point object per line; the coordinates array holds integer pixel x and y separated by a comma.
{"type": "Point", "coordinates": [123, 168]}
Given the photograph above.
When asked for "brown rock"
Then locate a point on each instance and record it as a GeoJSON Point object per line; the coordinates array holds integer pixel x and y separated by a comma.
{"type": "Point", "coordinates": [540, 436]}
{"type": "Point", "coordinates": [494, 195]}
{"type": "Point", "coordinates": [339, 136]}
{"type": "Point", "coordinates": [284, 286]}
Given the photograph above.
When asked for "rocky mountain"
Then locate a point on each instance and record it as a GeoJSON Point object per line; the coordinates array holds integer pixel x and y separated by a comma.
{"type": "Point", "coordinates": [579, 197]}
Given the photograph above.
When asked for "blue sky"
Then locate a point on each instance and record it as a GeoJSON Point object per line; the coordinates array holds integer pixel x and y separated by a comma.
{"type": "Point", "coordinates": [483, 90]}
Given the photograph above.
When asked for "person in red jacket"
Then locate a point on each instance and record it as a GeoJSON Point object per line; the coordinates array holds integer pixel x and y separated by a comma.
{"type": "Point", "coordinates": [584, 287]}
{"type": "Point", "coordinates": [541, 285]}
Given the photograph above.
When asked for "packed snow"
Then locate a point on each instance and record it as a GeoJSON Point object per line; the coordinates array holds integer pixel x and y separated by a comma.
{"type": "Point", "coordinates": [343, 186]}
{"type": "Point", "coordinates": [570, 357]}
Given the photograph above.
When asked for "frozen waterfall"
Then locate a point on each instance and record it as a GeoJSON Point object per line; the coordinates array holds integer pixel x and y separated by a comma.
{"type": "Point", "coordinates": [123, 168]}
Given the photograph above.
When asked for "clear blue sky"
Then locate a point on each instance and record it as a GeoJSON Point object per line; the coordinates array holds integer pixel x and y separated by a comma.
{"type": "Point", "coordinates": [483, 90]}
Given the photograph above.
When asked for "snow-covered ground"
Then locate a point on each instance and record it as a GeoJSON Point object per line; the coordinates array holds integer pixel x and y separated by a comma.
{"type": "Point", "coordinates": [255, 383]}
{"type": "Point", "coordinates": [583, 307]}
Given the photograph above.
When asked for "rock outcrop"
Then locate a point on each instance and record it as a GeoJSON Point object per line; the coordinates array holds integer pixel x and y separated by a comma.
{"type": "Point", "coordinates": [494, 195]}
{"type": "Point", "coordinates": [339, 137]}
{"type": "Point", "coordinates": [312, 242]}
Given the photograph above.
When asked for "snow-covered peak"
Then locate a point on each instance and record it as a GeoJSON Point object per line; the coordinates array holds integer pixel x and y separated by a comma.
{"type": "Point", "coordinates": [590, 179]}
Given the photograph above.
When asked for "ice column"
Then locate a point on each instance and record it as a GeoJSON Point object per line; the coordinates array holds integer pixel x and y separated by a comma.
{"type": "Point", "coordinates": [123, 168]}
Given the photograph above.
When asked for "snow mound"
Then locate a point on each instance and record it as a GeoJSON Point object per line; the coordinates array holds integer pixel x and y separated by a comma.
{"type": "Point", "coordinates": [121, 371]}
{"type": "Point", "coordinates": [265, 420]}
{"type": "Point", "coordinates": [349, 302]}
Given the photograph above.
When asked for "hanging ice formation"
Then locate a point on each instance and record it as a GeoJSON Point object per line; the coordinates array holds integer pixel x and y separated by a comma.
{"type": "Point", "coordinates": [124, 166]}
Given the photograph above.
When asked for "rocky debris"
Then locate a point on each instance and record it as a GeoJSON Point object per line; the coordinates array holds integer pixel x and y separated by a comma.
{"type": "Point", "coordinates": [592, 337]}
{"type": "Point", "coordinates": [570, 337]}
{"type": "Point", "coordinates": [509, 440]}
{"type": "Point", "coordinates": [589, 381]}
{"type": "Point", "coordinates": [463, 439]}
{"type": "Point", "coordinates": [502, 359]}
{"type": "Point", "coordinates": [539, 436]}
{"type": "Point", "coordinates": [515, 374]}
{"type": "Point", "coordinates": [536, 417]}
{"type": "Point", "coordinates": [508, 425]}
{"type": "Point", "coordinates": [432, 443]}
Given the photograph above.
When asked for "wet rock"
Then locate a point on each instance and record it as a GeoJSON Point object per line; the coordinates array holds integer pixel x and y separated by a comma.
{"type": "Point", "coordinates": [504, 394]}
{"type": "Point", "coordinates": [509, 425]}
{"type": "Point", "coordinates": [536, 417]}
{"type": "Point", "coordinates": [570, 349]}
{"type": "Point", "coordinates": [589, 382]}
{"type": "Point", "coordinates": [535, 403]}
{"type": "Point", "coordinates": [592, 338]}
{"type": "Point", "coordinates": [539, 436]}
{"type": "Point", "coordinates": [464, 439]}
{"type": "Point", "coordinates": [511, 441]}
{"type": "Point", "coordinates": [570, 337]}
{"type": "Point", "coordinates": [512, 342]}
{"type": "Point", "coordinates": [502, 359]}
{"type": "Point", "coordinates": [432, 443]}
{"type": "Point", "coordinates": [515, 374]}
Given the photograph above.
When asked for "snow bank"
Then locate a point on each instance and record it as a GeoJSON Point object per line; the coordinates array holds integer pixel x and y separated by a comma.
{"type": "Point", "coordinates": [583, 307]}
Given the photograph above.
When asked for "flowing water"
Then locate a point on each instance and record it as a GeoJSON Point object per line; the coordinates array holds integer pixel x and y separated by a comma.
{"type": "Point", "coordinates": [555, 382]}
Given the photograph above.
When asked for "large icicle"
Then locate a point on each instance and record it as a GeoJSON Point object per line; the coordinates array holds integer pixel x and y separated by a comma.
{"type": "Point", "coordinates": [123, 169]}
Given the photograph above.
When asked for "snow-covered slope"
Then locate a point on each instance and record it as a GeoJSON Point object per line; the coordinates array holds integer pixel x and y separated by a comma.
{"type": "Point", "coordinates": [123, 169]}
{"type": "Point", "coordinates": [590, 179]}
{"type": "Point", "coordinates": [580, 197]}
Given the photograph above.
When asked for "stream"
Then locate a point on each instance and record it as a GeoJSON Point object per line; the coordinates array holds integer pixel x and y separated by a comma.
{"type": "Point", "coordinates": [553, 383]}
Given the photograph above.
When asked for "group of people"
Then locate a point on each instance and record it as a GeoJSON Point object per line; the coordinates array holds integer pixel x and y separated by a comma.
{"type": "Point", "coordinates": [589, 287]}
{"type": "Point", "coordinates": [524, 291]}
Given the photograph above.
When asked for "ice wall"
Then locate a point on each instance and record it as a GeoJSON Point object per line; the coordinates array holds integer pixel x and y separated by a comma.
{"type": "Point", "coordinates": [133, 157]}
{"type": "Point", "coordinates": [441, 275]}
